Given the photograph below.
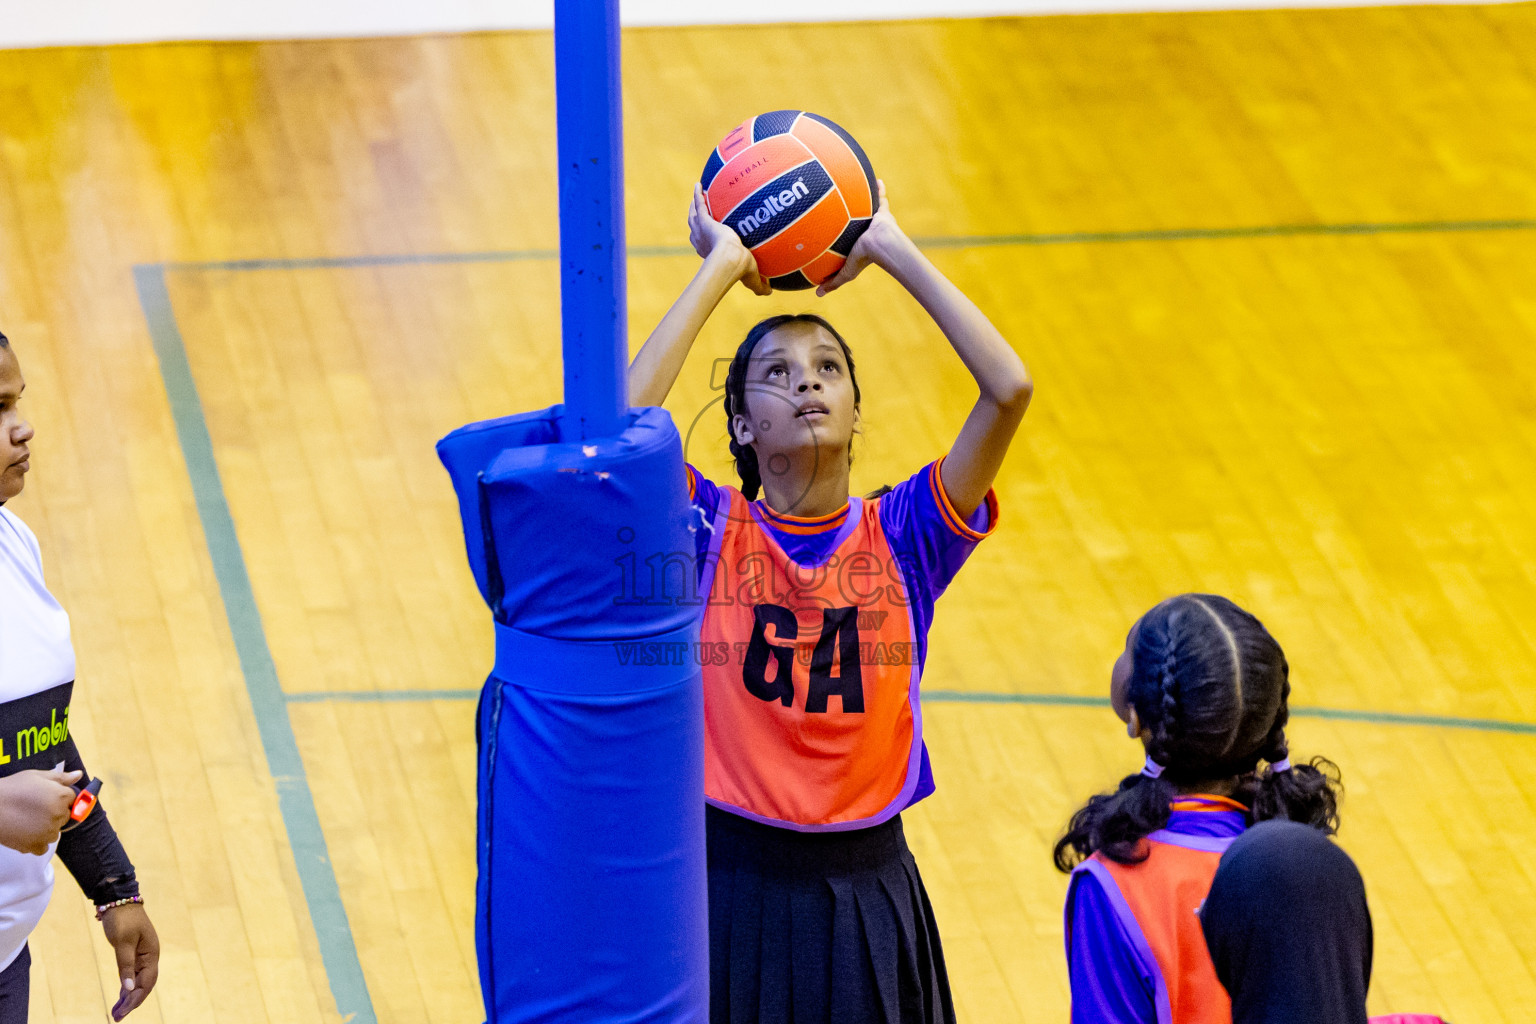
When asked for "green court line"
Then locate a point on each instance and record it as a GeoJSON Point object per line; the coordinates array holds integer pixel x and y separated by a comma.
{"type": "Point", "coordinates": [295, 799]}
{"type": "Point", "coordinates": [982, 697]}
{"type": "Point", "coordinates": [1434, 721]}
{"type": "Point", "coordinates": [1336, 714]}
{"type": "Point", "coordinates": [1419, 227]}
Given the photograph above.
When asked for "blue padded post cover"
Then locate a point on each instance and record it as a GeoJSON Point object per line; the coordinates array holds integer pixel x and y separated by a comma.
{"type": "Point", "coordinates": [590, 901]}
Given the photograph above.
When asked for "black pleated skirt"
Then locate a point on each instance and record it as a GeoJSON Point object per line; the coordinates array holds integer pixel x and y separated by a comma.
{"type": "Point", "coordinates": [820, 928]}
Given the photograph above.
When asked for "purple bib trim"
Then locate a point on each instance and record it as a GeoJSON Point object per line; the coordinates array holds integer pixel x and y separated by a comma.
{"type": "Point", "coordinates": [1207, 844]}
{"type": "Point", "coordinates": [1133, 932]}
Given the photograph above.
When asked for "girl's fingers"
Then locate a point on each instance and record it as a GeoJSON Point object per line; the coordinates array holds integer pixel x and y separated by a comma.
{"type": "Point", "coordinates": [698, 237]}
{"type": "Point", "coordinates": [847, 272]}
{"type": "Point", "coordinates": [755, 281]}
{"type": "Point", "coordinates": [697, 210]}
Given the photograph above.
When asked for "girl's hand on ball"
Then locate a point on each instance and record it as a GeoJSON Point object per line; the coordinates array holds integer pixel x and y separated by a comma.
{"type": "Point", "coordinates": [714, 240]}
{"type": "Point", "coordinates": [879, 242]}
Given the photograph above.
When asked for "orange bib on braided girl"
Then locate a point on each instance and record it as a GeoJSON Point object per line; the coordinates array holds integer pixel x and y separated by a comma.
{"type": "Point", "coordinates": [1158, 903]}
{"type": "Point", "coordinates": [813, 724]}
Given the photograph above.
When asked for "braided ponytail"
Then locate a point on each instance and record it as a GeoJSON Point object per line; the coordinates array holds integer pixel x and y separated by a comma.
{"type": "Point", "coordinates": [746, 468]}
{"type": "Point", "coordinates": [1306, 792]}
{"type": "Point", "coordinates": [1165, 724]}
{"type": "Point", "coordinates": [1116, 823]}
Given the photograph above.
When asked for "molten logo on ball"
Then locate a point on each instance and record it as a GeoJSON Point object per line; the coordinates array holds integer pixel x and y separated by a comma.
{"type": "Point", "coordinates": [772, 205]}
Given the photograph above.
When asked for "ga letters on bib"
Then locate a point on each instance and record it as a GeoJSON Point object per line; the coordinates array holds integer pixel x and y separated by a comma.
{"type": "Point", "coordinates": [812, 642]}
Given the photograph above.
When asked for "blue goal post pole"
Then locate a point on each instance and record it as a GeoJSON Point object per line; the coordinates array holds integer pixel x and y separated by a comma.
{"type": "Point", "coordinates": [590, 139]}
{"type": "Point", "coordinates": [591, 876]}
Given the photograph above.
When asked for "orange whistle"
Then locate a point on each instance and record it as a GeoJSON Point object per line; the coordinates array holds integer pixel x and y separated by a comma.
{"type": "Point", "coordinates": [85, 802]}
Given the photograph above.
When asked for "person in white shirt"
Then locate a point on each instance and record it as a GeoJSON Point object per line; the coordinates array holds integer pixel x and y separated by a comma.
{"type": "Point", "coordinates": [39, 764]}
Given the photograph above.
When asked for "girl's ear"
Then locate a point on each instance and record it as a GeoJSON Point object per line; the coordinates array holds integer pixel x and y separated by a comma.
{"type": "Point", "coordinates": [1133, 725]}
{"type": "Point", "coordinates": [742, 428]}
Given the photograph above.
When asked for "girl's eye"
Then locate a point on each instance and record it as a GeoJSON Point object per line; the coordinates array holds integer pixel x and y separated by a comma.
{"type": "Point", "coordinates": [775, 369]}
{"type": "Point", "coordinates": [829, 365]}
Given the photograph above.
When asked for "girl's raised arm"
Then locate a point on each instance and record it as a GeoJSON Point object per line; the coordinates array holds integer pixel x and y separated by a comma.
{"type": "Point", "coordinates": [726, 261]}
{"type": "Point", "coordinates": [1006, 387]}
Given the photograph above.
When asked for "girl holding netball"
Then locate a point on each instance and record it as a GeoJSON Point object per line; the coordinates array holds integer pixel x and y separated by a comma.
{"type": "Point", "coordinates": [813, 731]}
{"type": "Point", "coordinates": [37, 673]}
{"type": "Point", "coordinates": [1204, 687]}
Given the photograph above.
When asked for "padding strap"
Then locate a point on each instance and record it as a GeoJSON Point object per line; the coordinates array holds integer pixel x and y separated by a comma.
{"type": "Point", "coordinates": [596, 667]}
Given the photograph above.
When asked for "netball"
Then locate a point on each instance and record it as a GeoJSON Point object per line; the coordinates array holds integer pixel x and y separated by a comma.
{"type": "Point", "coordinates": [798, 190]}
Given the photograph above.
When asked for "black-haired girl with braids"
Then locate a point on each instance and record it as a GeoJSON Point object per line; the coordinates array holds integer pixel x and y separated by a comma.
{"type": "Point", "coordinates": [1204, 687]}
{"type": "Point", "coordinates": [815, 619]}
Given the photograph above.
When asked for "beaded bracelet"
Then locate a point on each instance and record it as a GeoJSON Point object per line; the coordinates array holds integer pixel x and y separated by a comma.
{"type": "Point", "coordinates": [101, 911]}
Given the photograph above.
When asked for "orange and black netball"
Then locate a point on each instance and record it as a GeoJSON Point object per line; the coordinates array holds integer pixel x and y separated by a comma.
{"type": "Point", "coordinates": [798, 190]}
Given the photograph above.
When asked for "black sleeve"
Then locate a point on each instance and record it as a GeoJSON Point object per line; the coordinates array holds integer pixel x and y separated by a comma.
{"type": "Point", "coordinates": [91, 850]}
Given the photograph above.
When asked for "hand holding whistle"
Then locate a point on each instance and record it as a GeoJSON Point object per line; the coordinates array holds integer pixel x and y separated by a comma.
{"type": "Point", "coordinates": [83, 804]}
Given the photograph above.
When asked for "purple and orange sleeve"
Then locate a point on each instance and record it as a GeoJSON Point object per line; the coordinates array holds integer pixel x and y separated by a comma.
{"type": "Point", "coordinates": [926, 533]}
{"type": "Point", "coordinates": [981, 523]}
{"type": "Point", "coordinates": [705, 496]}
{"type": "Point", "coordinates": [702, 491]}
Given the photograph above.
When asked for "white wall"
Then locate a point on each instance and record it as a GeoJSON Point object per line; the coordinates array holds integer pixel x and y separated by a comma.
{"type": "Point", "coordinates": [60, 22]}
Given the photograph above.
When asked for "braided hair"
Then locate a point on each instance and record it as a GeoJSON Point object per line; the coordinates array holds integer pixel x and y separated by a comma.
{"type": "Point", "coordinates": [1210, 686]}
{"type": "Point", "coordinates": [736, 392]}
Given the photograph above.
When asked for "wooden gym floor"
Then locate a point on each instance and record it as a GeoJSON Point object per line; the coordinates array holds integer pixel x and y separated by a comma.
{"type": "Point", "coordinates": [1272, 272]}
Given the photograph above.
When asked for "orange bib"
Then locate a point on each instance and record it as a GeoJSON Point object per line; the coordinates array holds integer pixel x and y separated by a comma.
{"type": "Point", "coordinates": [1158, 901]}
{"type": "Point", "coordinates": [811, 717]}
